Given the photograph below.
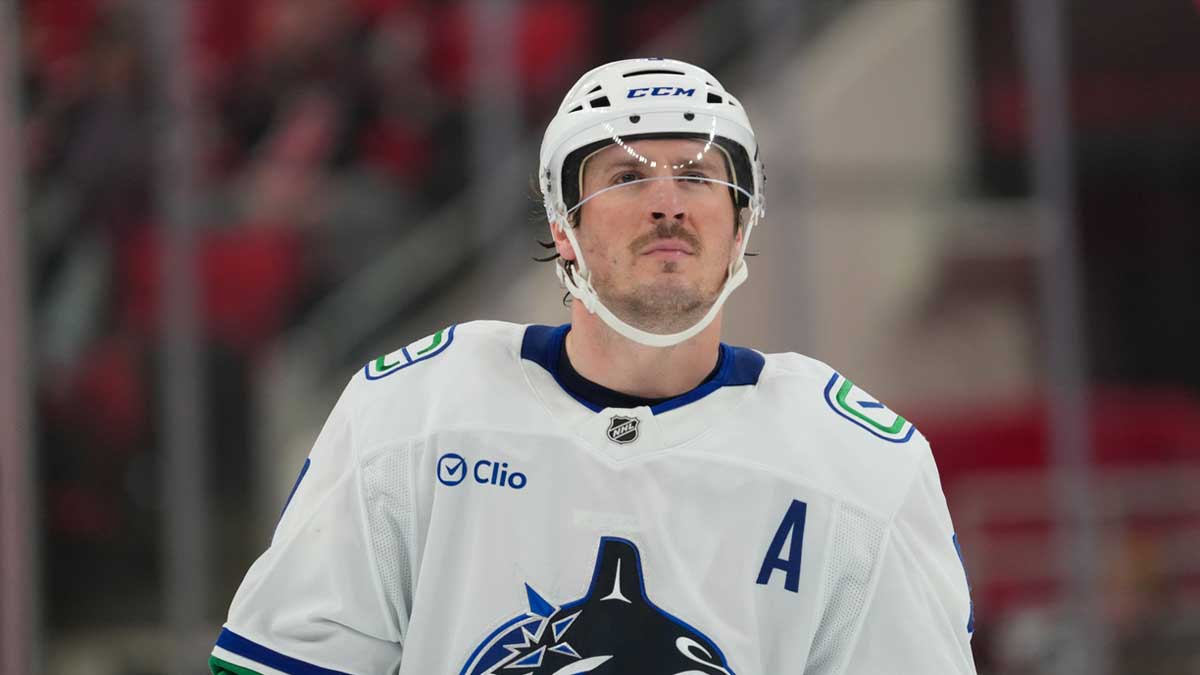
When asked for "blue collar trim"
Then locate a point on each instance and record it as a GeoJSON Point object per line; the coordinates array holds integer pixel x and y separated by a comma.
{"type": "Point", "coordinates": [739, 367]}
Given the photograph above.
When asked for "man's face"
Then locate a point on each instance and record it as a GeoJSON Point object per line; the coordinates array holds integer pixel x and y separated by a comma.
{"type": "Point", "coordinates": [658, 251]}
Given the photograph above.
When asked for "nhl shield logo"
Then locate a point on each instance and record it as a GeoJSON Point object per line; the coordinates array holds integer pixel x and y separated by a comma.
{"type": "Point", "coordinates": [623, 430]}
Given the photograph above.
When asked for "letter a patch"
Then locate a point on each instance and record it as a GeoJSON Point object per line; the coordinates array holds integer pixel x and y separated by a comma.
{"type": "Point", "coordinates": [791, 533]}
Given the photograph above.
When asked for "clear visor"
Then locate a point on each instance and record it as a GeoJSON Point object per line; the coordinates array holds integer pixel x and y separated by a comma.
{"type": "Point", "coordinates": [669, 173]}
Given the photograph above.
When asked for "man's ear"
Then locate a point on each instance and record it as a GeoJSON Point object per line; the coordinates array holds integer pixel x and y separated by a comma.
{"type": "Point", "coordinates": [738, 233]}
{"type": "Point", "coordinates": [561, 243]}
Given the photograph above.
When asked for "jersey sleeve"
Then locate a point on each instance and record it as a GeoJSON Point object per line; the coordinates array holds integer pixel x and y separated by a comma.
{"type": "Point", "coordinates": [919, 618]}
{"type": "Point", "coordinates": [312, 602]}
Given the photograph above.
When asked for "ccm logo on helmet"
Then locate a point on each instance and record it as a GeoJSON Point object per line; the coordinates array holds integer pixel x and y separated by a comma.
{"type": "Point", "coordinates": [639, 92]}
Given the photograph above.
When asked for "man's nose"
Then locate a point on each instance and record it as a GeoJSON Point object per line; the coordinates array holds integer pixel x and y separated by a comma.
{"type": "Point", "coordinates": [666, 201]}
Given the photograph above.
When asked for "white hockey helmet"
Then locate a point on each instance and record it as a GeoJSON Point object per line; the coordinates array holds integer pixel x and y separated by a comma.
{"type": "Point", "coordinates": [639, 99]}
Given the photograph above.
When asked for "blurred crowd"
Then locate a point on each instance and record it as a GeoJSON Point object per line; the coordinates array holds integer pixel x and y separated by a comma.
{"type": "Point", "coordinates": [323, 129]}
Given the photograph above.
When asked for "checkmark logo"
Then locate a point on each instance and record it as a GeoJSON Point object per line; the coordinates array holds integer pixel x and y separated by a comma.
{"type": "Point", "coordinates": [451, 469]}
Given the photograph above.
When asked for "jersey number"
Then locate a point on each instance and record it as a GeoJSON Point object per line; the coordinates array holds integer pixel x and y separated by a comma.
{"type": "Point", "coordinates": [790, 535]}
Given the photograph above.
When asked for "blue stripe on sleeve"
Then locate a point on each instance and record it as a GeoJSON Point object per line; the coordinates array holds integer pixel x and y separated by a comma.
{"type": "Point", "coordinates": [239, 645]}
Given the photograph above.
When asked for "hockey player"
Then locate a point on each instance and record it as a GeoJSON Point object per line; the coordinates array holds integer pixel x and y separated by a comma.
{"type": "Point", "coordinates": [623, 494]}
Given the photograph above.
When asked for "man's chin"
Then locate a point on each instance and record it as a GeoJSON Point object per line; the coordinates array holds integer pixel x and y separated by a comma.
{"type": "Point", "coordinates": [657, 312]}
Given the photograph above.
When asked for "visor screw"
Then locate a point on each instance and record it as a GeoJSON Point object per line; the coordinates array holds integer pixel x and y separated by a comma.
{"type": "Point", "coordinates": [635, 118]}
{"type": "Point", "coordinates": [689, 116]}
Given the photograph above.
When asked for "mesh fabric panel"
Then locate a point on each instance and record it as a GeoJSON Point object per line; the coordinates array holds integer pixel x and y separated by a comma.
{"type": "Point", "coordinates": [389, 498]}
{"type": "Point", "coordinates": [855, 549]}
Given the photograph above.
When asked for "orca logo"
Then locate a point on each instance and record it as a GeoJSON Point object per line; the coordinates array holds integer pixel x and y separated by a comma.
{"type": "Point", "coordinates": [623, 430]}
{"type": "Point", "coordinates": [614, 628]}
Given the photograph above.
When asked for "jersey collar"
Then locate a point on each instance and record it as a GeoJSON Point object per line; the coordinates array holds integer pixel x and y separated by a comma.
{"type": "Point", "coordinates": [739, 367]}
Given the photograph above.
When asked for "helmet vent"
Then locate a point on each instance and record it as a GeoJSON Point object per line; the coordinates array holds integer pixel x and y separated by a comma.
{"type": "Point", "coordinates": [714, 98]}
{"type": "Point", "coordinates": [576, 108]}
{"type": "Point", "coordinates": [652, 72]}
{"type": "Point", "coordinates": [599, 102]}
{"type": "Point", "coordinates": [595, 89]}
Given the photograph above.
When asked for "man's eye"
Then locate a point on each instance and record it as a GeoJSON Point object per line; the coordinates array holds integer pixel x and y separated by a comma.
{"type": "Point", "coordinates": [626, 177]}
{"type": "Point", "coordinates": [694, 177]}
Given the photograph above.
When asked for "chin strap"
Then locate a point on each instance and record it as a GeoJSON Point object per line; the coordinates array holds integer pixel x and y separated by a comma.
{"type": "Point", "coordinates": [578, 283]}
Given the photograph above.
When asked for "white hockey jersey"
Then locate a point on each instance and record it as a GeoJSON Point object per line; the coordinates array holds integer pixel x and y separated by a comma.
{"type": "Point", "coordinates": [463, 513]}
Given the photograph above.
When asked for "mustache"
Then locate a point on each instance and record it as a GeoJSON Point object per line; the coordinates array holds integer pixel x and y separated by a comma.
{"type": "Point", "coordinates": [664, 230]}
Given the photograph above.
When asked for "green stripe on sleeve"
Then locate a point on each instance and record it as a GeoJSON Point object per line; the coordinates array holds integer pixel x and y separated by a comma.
{"type": "Point", "coordinates": [219, 667]}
